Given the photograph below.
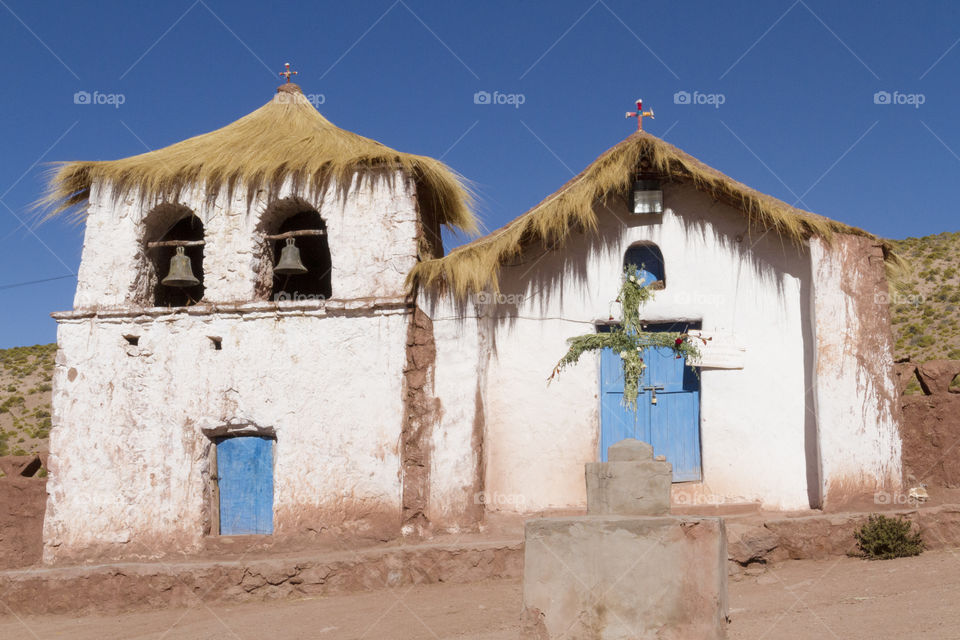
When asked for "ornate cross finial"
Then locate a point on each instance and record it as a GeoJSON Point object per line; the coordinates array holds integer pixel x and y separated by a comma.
{"type": "Point", "coordinates": [288, 73]}
{"type": "Point", "coordinates": [639, 114]}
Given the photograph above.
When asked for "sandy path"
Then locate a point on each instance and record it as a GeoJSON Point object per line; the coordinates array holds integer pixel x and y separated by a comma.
{"type": "Point", "coordinates": [842, 598]}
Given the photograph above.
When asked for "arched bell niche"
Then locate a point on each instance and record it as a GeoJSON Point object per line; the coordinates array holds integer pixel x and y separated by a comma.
{"type": "Point", "coordinates": [295, 253]}
{"type": "Point", "coordinates": [173, 250]}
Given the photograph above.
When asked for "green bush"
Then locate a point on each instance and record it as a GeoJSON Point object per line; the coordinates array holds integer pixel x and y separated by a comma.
{"type": "Point", "coordinates": [883, 538]}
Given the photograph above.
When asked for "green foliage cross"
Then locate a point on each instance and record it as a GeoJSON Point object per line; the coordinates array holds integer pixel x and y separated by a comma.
{"type": "Point", "coordinates": [629, 338]}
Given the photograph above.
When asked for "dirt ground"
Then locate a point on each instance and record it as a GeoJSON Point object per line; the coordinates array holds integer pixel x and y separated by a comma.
{"type": "Point", "coordinates": [797, 600]}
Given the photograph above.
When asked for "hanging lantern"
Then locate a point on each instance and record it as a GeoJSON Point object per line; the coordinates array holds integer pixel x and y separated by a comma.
{"type": "Point", "coordinates": [290, 264]}
{"type": "Point", "coordinates": [181, 271]}
{"type": "Point", "coordinates": [647, 198]}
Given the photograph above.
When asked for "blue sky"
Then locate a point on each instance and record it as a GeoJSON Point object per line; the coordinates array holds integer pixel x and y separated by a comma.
{"type": "Point", "coordinates": [847, 109]}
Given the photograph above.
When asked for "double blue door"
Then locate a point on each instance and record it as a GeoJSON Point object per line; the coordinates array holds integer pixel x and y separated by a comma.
{"type": "Point", "coordinates": [670, 423]}
{"type": "Point", "coordinates": [245, 472]}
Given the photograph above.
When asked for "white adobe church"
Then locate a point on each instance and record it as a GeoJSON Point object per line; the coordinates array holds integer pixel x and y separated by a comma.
{"type": "Point", "coordinates": [211, 382]}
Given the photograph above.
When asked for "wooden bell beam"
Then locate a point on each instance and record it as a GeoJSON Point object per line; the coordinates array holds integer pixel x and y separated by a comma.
{"type": "Point", "coordinates": [200, 243]}
{"type": "Point", "coordinates": [297, 234]}
{"type": "Point", "coordinates": [175, 243]}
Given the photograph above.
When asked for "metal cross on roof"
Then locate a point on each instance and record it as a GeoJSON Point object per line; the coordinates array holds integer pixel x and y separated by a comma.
{"type": "Point", "coordinates": [639, 114]}
{"type": "Point", "coordinates": [288, 73]}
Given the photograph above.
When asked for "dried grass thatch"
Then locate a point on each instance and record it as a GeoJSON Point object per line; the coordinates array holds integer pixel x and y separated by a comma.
{"type": "Point", "coordinates": [476, 265]}
{"type": "Point", "coordinates": [286, 138]}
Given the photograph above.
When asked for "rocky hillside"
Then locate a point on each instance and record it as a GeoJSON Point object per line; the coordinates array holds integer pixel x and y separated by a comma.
{"type": "Point", "coordinates": [925, 307]}
{"type": "Point", "coordinates": [25, 375]}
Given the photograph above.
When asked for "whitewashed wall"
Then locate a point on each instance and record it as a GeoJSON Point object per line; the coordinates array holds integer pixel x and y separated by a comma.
{"type": "Point", "coordinates": [128, 454]}
{"type": "Point", "coordinates": [456, 442]}
{"type": "Point", "coordinates": [749, 292]}
{"type": "Point", "coordinates": [128, 450]}
{"type": "Point", "coordinates": [371, 229]}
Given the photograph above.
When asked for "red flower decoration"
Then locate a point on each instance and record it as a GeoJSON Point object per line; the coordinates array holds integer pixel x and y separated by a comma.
{"type": "Point", "coordinates": [679, 341]}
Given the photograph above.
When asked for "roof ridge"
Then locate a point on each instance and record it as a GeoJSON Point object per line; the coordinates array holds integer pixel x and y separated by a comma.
{"type": "Point", "coordinates": [285, 137]}
{"type": "Point", "coordinates": [476, 265]}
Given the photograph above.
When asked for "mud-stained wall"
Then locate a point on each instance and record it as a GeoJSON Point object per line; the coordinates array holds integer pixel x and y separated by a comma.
{"type": "Point", "coordinates": [420, 414]}
{"type": "Point", "coordinates": [857, 404]}
{"type": "Point", "coordinates": [931, 425]}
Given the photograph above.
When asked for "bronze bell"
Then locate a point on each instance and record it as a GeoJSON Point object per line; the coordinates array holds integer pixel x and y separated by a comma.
{"type": "Point", "coordinates": [290, 264]}
{"type": "Point", "coordinates": [181, 271]}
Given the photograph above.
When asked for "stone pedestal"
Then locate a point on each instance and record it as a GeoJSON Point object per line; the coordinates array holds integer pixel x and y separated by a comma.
{"type": "Point", "coordinates": [635, 574]}
{"type": "Point", "coordinates": [632, 483]}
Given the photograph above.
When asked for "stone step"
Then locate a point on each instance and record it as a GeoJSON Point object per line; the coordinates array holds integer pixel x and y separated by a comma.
{"type": "Point", "coordinates": [116, 587]}
{"type": "Point", "coordinates": [713, 510]}
{"type": "Point", "coordinates": [253, 576]}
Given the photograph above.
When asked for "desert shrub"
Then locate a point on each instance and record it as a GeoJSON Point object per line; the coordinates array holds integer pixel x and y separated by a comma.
{"type": "Point", "coordinates": [924, 341]}
{"type": "Point", "coordinates": [12, 401]}
{"type": "Point", "coordinates": [883, 538]}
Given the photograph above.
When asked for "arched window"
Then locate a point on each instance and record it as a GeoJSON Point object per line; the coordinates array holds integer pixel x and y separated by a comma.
{"type": "Point", "coordinates": [648, 260]}
{"type": "Point", "coordinates": [174, 248]}
{"type": "Point", "coordinates": [297, 252]}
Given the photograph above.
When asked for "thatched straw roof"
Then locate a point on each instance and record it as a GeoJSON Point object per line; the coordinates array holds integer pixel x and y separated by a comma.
{"type": "Point", "coordinates": [476, 265]}
{"type": "Point", "coordinates": [285, 138]}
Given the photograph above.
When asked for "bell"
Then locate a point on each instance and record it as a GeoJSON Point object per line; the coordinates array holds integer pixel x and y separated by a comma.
{"type": "Point", "coordinates": [290, 264]}
{"type": "Point", "coordinates": [181, 271]}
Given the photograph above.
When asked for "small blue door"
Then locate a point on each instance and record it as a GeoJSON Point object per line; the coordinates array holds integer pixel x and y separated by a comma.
{"type": "Point", "coordinates": [671, 424]}
{"type": "Point", "coordinates": [245, 471]}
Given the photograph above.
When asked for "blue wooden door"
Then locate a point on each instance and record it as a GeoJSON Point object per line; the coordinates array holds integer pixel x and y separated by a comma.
{"type": "Point", "coordinates": [671, 425]}
{"type": "Point", "coordinates": [245, 471]}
